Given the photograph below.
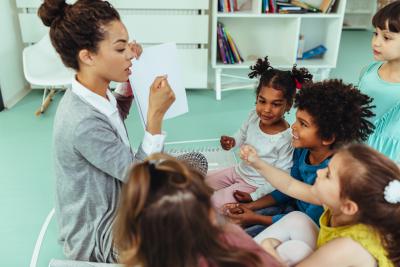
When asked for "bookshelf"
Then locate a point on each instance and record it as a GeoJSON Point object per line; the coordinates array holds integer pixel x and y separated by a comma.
{"type": "Point", "coordinates": [358, 14]}
{"type": "Point", "coordinates": [257, 34]}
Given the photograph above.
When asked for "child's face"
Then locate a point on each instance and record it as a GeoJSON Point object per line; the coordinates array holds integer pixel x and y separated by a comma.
{"type": "Point", "coordinates": [112, 61]}
{"type": "Point", "coordinates": [386, 45]}
{"type": "Point", "coordinates": [327, 184]}
{"type": "Point", "coordinates": [305, 131]}
{"type": "Point", "coordinates": [271, 106]}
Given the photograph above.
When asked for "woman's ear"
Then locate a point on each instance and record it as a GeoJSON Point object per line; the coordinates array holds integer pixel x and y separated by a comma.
{"type": "Point", "coordinates": [86, 57]}
{"type": "Point", "coordinates": [349, 207]}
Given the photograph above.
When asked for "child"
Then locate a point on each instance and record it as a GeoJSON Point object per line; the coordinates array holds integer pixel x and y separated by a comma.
{"type": "Point", "coordinates": [329, 113]}
{"type": "Point", "coordinates": [381, 80]}
{"type": "Point", "coordinates": [266, 129]}
{"type": "Point", "coordinates": [360, 190]}
{"type": "Point", "coordinates": [166, 219]}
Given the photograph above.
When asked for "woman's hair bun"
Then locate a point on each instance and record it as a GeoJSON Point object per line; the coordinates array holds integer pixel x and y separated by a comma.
{"type": "Point", "coordinates": [51, 10]}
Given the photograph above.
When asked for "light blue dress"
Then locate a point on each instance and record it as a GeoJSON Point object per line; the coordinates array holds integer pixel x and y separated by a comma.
{"type": "Point", "coordinates": [385, 94]}
{"type": "Point", "coordinates": [386, 137]}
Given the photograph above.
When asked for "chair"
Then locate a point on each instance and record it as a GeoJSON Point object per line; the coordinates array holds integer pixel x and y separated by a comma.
{"type": "Point", "coordinates": [43, 67]}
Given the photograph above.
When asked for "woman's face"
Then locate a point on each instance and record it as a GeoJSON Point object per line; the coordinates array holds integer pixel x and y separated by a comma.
{"type": "Point", "coordinates": [112, 62]}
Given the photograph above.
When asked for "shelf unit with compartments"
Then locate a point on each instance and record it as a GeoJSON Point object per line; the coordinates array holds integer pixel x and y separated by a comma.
{"type": "Point", "coordinates": [257, 35]}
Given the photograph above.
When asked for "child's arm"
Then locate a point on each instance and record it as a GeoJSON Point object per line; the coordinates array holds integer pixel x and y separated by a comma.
{"type": "Point", "coordinates": [278, 178]}
{"type": "Point", "coordinates": [241, 135]}
{"type": "Point", "coordinates": [339, 252]}
{"type": "Point", "coordinates": [241, 215]}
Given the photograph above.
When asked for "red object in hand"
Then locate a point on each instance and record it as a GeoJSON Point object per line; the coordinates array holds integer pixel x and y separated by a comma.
{"type": "Point", "coordinates": [227, 142]}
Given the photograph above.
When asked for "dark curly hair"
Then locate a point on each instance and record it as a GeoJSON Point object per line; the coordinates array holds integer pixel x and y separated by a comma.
{"type": "Point", "coordinates": [339, 110]}
{"type": "Point", "coordinates": [76, 27]}
{"type": "Point", "coordinates": [284, 81]}
{"type": "Point", "coordinates": [388, 17]}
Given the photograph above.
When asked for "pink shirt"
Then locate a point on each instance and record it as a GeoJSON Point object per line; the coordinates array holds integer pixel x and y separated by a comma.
{"type": "Point", "coordinates": [237, 237]}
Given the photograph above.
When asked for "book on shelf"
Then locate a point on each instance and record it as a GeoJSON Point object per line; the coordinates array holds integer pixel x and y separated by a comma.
{"type": "Point", "coordinates": [305, 6]}
{"type": "Point", "coordinates": [229, 6]}
{"type": "Point", "coordinates": [287, 7]}
{"type": "Point", "coordinates": [325, 6]}
{"type": "Point", "coordinates": [227, 48]}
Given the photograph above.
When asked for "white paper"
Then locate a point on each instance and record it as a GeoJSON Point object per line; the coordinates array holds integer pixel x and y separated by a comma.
{"type": "Point", "coordinates": [157, 61]}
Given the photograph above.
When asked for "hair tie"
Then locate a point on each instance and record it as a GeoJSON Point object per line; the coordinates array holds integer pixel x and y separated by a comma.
{"type": "Point", "coordinates": [298, 84]}
{"type": "Point", "coordinates": [392, 192]}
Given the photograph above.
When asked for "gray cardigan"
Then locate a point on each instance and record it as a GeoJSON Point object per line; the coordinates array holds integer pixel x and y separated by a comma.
{"type": "Point", "coordinates": [91, 162]}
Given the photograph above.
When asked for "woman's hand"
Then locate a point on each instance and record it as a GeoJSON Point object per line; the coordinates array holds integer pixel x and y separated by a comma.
{"type": "Point", "coordinates": [227, 142]}
{"type": "Point", "coordinates": [136, 49]}
{"type": "Point", "coordinates": [160, 99]}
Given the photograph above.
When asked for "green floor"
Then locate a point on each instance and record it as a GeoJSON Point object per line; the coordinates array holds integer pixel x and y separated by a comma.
{"type": "Point", "coordinates": [27, 182]}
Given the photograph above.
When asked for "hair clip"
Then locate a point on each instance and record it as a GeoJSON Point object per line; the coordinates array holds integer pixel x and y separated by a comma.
{"type": "Point", "coordinates": [392, 192]}
{"type": "Point", "coordinates": [298, 84]}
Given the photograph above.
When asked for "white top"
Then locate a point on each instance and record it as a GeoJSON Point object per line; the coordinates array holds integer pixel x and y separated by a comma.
{"type": "Point", "coordinates": [151, 143]}
{"type": "Point", "coordinates": [275, 149]}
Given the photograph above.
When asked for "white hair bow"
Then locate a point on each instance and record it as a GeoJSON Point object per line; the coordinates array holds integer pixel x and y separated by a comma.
{"type": "Point", "coordinates": [392, 192]}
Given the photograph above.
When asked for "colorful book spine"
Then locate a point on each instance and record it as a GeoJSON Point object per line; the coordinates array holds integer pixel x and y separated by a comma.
{"type": "Point", "coordinates": [230, 53]}
{"type": "Point", "coordinates": [227, 49]}
{"type": "Point", "coordinates": [233, 47]}
{"type": "Point", "coordinates": [221, 47]}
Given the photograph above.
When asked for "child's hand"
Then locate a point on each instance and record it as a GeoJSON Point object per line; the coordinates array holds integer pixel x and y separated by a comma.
{"type": "Point", "coordinates": [248, 154]}
{"type": "Point", "coordinates": [227, 142]}
{"type": "Point", "coordinates": [239, 214]}
{"type": "Point", "coordinates": [136, 49]}
{"type": "Point", "coordinates": [242, 197]}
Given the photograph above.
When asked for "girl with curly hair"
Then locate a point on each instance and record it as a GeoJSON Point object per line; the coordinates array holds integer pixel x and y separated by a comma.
{"type": "Point", "coordinates": [329, 114]}
{"type": "Point", "coordinates": [266, 129]}
{"type": "Point", "coordinates": [360, 192]}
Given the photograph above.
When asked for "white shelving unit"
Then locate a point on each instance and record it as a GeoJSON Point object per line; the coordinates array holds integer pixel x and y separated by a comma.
{"type": "Point", "coordinates": [184, 22]}
{"type": "Point", "coordinates": [277, 36]}
{"type": "Point", "coordinates": [358, 14]}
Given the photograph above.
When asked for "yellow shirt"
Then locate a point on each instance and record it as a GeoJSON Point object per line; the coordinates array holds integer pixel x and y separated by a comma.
{"type": "Point", "coordinates": [362, 234]}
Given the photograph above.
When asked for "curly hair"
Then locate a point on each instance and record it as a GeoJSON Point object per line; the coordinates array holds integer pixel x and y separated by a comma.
{"type": "Point", "coordinates": [339, 110]}
{"type": "Point", "coordinates": [285, 81]}
{"type": "Point", "coordinates": [76, 27]}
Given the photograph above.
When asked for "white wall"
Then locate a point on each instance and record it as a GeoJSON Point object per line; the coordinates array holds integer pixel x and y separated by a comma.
{"type": "Point", "coordinates": [12, 81]}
